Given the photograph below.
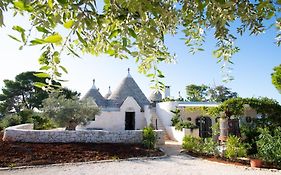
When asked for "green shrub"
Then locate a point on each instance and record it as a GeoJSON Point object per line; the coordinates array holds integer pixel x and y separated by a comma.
{"type": "Point", "coordinates": [192, 144]}
{"type": "Point", "coordinates": [235, 148]}
{"type": "Point", "coordinates": [187, 125]}
{"type": "Point", "coordinates": [10, 120]}
{"type": "Point", "coordinates": [209, 147]}
{"type": "Point", "coordinates": [43, 122]}
{"type": "Point", "coordinates": [269, 145]}
{"type": "Point", "coordinates": [26, 116]}
{"type": "Point", "coordinates": [149, 137]}
{"type": "Point", "coordinates": [176, 117]}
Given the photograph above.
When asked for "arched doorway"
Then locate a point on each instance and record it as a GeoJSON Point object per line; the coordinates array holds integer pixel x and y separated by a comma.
{"type": "Point", "coordinates": [205, 126]}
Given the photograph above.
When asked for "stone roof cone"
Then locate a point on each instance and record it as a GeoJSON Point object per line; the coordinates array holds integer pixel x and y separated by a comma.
{"type": "Point", "coordinates": [94, 94]}
{"type": "Point", "coordinates": [128, 87]}
{"type": "Point", "coordinates": [108, 93]}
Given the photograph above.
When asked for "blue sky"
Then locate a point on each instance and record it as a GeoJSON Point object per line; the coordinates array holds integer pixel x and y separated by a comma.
{"type": "Point", "coordinates": [251, 70]}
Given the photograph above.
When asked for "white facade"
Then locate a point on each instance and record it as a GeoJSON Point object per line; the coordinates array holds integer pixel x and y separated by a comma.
{"type": "Point", "coordinates": [114, 119]}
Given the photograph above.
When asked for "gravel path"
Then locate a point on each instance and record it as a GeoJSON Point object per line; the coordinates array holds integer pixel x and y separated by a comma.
{"type": "Point", "coordinates": [178, 165]}
{"type": "Point", "coordinates": [175, 163]}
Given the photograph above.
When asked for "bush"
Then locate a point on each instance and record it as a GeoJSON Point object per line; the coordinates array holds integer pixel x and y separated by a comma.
{"type": "Point", "coordinates": [269, 145]}
{"type": "Point", "coordinates": [10, 120]}
{"type": "Point", "coordinates": [209, 147]}
{"type": "Point", "coordinates": [26, 116]}
{"type": "Point", "coordinates": [43, 122]}
{"type": "Point", "coordinates": [187, 125]}
{"type": "Point", "coordinates": [192, 144]}
{"type": "Point", "coordinates": [176, 117]}
{"type": "Point", "coordinates": [149, 138]}
{"type": "Point", "coordinates": [235, 148]}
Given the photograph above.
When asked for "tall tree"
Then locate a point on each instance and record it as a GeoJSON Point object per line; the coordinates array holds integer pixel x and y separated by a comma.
{"type": "Point", "coordinates": [276, 77]}
{"type": "Point", "coordinates": [137, 28]}
{"type": "Point", "coordinates": [221, 94]}
{"type": "Point", "coordinates": [197, 92]}
{"type": "Point", "coordinates": [21, 93]}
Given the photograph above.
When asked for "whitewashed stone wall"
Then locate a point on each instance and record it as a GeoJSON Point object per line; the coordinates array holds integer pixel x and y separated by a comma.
{"type": "Point", "coordinates": [24, 133]}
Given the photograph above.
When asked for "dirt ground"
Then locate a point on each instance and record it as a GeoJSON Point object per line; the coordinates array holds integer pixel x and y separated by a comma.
{"type": "Point", "coordinates": [22, 154]}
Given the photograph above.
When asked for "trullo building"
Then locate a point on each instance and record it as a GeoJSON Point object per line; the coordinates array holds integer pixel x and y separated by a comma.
{"type": "Point", "coordinates": [122, 109]}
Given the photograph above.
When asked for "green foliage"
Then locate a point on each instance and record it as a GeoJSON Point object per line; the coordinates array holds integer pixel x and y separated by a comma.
{"type": "Point", "coordinates": [235, 148]}
{"type": "Point", "coordinates": [43, 122]}
{"type": "Point", "coordinates": [192, 144]}
{"type": "Point", "coordinates": [10, 120]}
{"type": "Point", "coordinates": [269, 145]}
{"type": "Point", "coordinates": [136, 29]}
{"type": "Point", "coordinates": [250, 135]}
{"type": "Point", "coordinates": [209, 146]}
{"type": "Point", "coordinates": [206, 93]}
{"type": "Point", "coordinates": [176, 117]}
{"type": "Point", "coordinates": [276, 77]}
{"type": "Point", "coordinates": [187, 125]}
{"type": "Point", "coordinates": [199, 145]}
{"type": "Point", "coordinates": [26, 116]}
{"type": "Point", "coordinates": [268, 108]}
{"type": "Point", "coordinates": [221, 94]}
{"type": "Point", "coordinates": [149, 138]}
{"type": "Point", "coordinates": [69, 112]}
{"type": "Point", "coordinates": [197, 92]}
{"type": "Point", "coordinates": [21, 94]}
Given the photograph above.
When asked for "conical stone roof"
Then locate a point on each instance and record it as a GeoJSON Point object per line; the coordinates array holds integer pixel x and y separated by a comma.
{"type": "Point", "coordinates": [155, 97]}
{"type": "Point", "coordinates": [94, 94]}
{"type": "Point", "coordinates": [128, 87]}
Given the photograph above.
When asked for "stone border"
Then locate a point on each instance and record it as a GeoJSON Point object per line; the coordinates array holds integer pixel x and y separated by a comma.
{"type": "Point", "coordinates": [25, 133]}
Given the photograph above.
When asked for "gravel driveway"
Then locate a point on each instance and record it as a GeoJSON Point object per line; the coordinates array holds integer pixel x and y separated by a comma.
{"type": "Point", "coordinates": [177, 165]}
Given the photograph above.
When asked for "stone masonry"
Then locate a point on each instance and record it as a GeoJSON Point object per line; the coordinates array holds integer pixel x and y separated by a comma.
{"type": "Point", "coordinates": [25, 133]}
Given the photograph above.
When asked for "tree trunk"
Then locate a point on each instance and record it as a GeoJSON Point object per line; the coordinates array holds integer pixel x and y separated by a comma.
{"type": "Point", "coordinates": [71, 126]}
{"type": "Point", "coordinates": [223, 129]}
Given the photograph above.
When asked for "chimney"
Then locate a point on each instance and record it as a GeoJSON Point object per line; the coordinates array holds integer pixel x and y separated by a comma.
{"type": "Point", "coordinates": [167, 91]}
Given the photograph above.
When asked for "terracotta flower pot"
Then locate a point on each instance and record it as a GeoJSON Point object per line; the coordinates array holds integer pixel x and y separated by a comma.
{"type": "Point", "coordinates": [257, 163]}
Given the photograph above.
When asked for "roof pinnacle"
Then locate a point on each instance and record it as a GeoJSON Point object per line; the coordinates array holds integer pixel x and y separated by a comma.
{"type": "Point", "coordinates": [129, 75]}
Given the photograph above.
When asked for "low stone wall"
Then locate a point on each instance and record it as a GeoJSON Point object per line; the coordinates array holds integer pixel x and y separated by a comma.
{"type": "Point", "coordinates": [24, 133]}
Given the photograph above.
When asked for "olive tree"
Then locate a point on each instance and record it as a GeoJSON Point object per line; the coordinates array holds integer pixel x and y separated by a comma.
{"type": "Point", "coordinates": [70, 112]}
{"type": "Point", "coordinates": [136, 28]}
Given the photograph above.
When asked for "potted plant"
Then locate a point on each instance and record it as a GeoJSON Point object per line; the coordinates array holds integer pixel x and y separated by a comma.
{"type": "Point", "coordinates": [255, 161]}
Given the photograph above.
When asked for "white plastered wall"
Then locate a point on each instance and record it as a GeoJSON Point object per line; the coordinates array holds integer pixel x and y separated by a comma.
{"type": "Point", "coordinates": [130, 105]}
{"type": "Point", "coordinates": [115, 120]}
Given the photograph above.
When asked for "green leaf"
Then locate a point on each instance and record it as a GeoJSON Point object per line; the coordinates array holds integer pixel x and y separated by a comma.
{"type": "Point", "coordinates": [19, 5]}
{"type": "Point", "coordinates": [37, 41]}
{"type": "Point", "coordinates": [1, 18]}
{"type": "Point", "coordinates": [63, 2]}
{"type": "Point", "coordinates": [18, 28]}
{"type": "Point", "coordinates": [68, 24]}
{"type": "Point", "coordinates": [56, 59]}
{"type": "Point", "coordinates": [132, 33]}
{"type": "Point", "coordinates": [45, 68]}
{"type": "Point", "coordinates": [42, 29]}
{"type": "Point", "coordinates": [50, 3]}
{"type": "Point", "coordinates": [114, 33]}
{"type": "Point", "coordinates": [14, 38]}
{"type": "Point", "coordinates": [160, 59]}
{"type": "Point", "coordinates": [39, 84]}
{"type": "Point", "coordinates": [64, 69]}
{"type": "Point", "coordinates": [56, 38]}
{"type": "Point", "coordinates": [81, 39]}
{"type": "Point", "coordinates": [73, 52]}
{"type": "Point", "coordinates": [42, 75]}
{"type": "Point", "coordinates": [110, 52]}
